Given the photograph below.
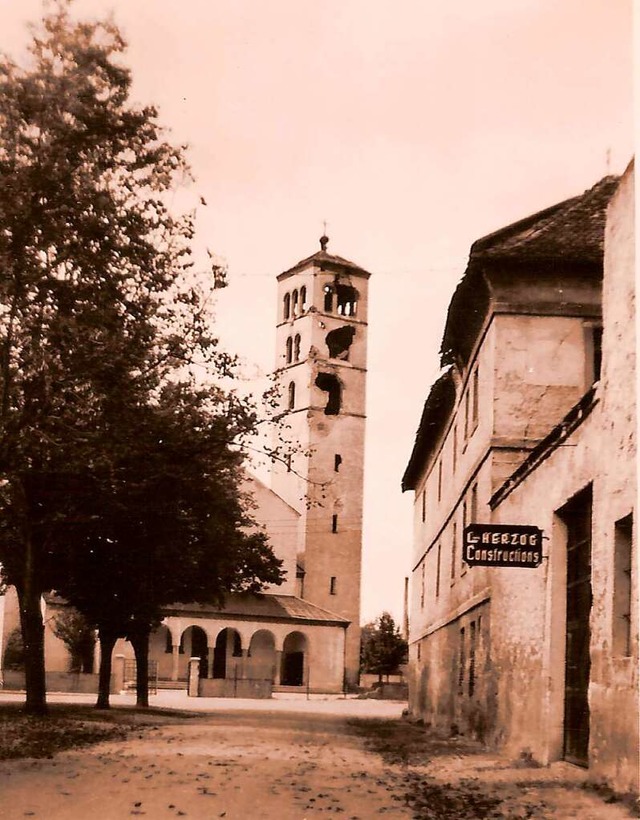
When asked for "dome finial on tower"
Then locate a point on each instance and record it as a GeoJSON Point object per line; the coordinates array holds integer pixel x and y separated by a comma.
{"type": "Point", "coordinates": [324, 239]}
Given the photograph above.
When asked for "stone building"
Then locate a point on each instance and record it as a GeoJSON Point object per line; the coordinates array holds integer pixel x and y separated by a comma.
{"type": "Point", "coordinates": [533, 423]}
{"type": "Point", "coordinates": [305, 632]}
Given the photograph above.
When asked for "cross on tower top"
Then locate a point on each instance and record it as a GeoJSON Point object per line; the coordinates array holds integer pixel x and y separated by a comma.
{"type": "Point", "coordinates": [324, 239]}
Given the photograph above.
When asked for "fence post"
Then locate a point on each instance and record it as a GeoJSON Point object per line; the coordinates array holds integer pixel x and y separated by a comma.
{"type": "Point", "coordinates": [194, 677]}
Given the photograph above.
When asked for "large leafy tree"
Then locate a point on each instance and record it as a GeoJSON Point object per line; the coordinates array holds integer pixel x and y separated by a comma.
{"type": "Point", "coordinates": [165, 524]}
{"type": "Point", "coordinates": [99, 301]}
{"type": "Point", "coordinates": [383, 649]}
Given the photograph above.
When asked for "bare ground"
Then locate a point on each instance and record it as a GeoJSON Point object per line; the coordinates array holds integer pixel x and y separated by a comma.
{"type": "Point", "coordinates": [288, 762]}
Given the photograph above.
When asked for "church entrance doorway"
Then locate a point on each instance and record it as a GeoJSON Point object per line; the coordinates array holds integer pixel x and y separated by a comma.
{"type": "Point", "coordinates": [294, 660]}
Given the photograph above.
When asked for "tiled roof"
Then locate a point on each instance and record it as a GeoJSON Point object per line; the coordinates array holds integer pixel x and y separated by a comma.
{"type": "Point", "coordinates": [267, 606]}
{"type": "Point", "coordinates": [568, 237]}
{"type": "Point", "coordinates": [324, 258]}
{"type": "Point", "coordinates": [573, 230]}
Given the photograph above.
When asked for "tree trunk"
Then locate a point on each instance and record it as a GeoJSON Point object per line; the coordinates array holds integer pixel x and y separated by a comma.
{"type": "Point", "coordinates": [33, 639]}
{"type": "Point", "coordinates": [140, 642]}
{"type": "Point", "coordinates": [31, 621]}
{"type": "Point", "coordinates": [107, 642]}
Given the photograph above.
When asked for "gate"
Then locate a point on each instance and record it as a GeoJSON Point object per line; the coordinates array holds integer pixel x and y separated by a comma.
{"type": "Point", "coordinates": [130, 671]}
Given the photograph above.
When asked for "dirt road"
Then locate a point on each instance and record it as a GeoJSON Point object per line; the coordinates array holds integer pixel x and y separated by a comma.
{"type": "Point", "coordinates": [288, 765]}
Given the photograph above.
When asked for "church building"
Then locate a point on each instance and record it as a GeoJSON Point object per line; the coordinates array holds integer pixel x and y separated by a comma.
{"type": "Point", "coordinates": [305, 633]}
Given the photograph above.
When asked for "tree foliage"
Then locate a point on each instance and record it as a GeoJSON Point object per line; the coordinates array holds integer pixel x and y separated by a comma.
{"type": "Point", "coordinates": [103, 320]}
{"type": "Point", "coordinates": [383, 649]}
{"type": "Point", "coordinates": [72, 628]}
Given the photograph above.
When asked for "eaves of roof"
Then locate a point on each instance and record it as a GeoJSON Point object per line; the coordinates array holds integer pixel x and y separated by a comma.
{"type": "Point", "coordinates": [567, 238]}
{"type": "Point", "coordinates": [435, 414]}
{"type": "Point", "coordinates": [262, 606]}
{"type": "Point", "coordinates": [329, 260]}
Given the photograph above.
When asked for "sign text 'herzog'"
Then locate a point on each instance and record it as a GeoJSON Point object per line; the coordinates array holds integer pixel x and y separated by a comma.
{"type": "Point", "coordinates": [502, 545]}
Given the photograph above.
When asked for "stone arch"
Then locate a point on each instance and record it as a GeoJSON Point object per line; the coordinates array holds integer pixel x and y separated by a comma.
{"type": "Point", "coordinates": [294, 668]}
{"type": "Point", "coordinates": [328, 299]}
{"type": "Point", "coordinates": [194, 644]}
{"type": "Point", "coordinates": [286, 306]}
{"type": "Point", "coordinates": [227, 652]}
{"type": "Point", "coordinates": [262, 655]}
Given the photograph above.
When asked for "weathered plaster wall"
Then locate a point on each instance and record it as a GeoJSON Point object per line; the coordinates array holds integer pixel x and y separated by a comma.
{"type": "Point", "coordinates": [282, 524]}
{"type": "Point", "coordinates": [451, 685]}
{"type": "Point", "coordinates": [614, 694]}
{"type": "Point", "coordinates": [539, 373]}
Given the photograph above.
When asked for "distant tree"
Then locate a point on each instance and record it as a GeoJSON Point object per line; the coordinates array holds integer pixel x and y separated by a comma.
{"type": "Point", "coordinates": [101, 306]}
{"type": "Point", "coordinates": [71, 627]}
{"type": "Point", "coordinates": [383, 649]}
{"type": "Point", "coordinates": [13, 659]}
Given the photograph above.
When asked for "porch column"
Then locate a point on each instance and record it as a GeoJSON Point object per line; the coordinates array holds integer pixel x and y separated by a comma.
{"type": "Point", "coordinates": [210, 655]}
{"type": "Point", "coordinates": [175, 660]}
{"type": "Point", "coordinates": [278, 669]}
{"type": "Point", "coordinates": [244, 664]}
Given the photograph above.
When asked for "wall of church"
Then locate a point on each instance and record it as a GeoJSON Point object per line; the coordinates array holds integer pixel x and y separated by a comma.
{"type": "Point", "coordinates": [282, 524]}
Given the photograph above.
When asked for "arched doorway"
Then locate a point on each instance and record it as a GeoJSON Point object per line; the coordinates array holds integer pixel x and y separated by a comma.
{"type": "Point", "coordinates": [228, 646]}
{"type": "Point", "coordinates": [194, 644]}
{"type": "Point", "coordinates": [294, 653]}
{"type": "Point", "coordinates": [262, 656]}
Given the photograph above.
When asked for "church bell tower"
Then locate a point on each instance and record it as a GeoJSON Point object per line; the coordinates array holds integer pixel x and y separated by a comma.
{"type": "Point", "coordinates": [321, 355]}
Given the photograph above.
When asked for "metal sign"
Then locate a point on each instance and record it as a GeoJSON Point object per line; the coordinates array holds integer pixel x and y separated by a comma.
{"type": "Point", "coordinates": [502, 545]}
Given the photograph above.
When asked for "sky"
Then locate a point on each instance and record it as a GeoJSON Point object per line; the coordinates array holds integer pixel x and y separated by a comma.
{"type": "Point", "coordinates": [413, 128]}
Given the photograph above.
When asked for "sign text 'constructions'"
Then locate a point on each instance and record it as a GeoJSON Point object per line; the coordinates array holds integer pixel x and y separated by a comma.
{"type": "Point", "coordinates": [502, 545]}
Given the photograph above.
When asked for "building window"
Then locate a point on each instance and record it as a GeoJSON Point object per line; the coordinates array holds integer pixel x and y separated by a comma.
{"type": "Point", "coordinates": [347, 300]}
{"type": "Point", "coordinates": [289, 349]}
{"type": "Point", "coordinates": [593, 353]}
{"type": "Point", "coordinates": [472, 658]}
{"type": "Point", "coordinates": [466, 415]}
{"type": "Point", "coordinates": [419, 652]}
{"type": "Point", "coordinates": [422, 584]}
{"type": "Point", "coordinates": [597, 353]}
{"type": "Point", "coordinates": [474, 400]}
{"type": "Point", "coordinates": [621, 633]}
{"type": "Point", "coordinates": [328, 299]}
{"type": "Point", "coordinates": [440, 479]}
{"type": "Point", "coordinates": [463, 566]}
{"type": "Point", "coordinates": [424, 506]}
{"type": "Point", "coordinates": [332, 586]}
{"type": "Point", "coordinates": [292, 395]}
{"type": "Point", "coordinates": [474, 505]}
{"type": "Point", "coordinates": [454, 549]}
{"type": "Point", "coordinates": [334, 522]}
{"type": "Point", "coordinates": [455, 447]}
{"type": "Point", "coordinates": [296, 348]}
{"type": "Point", "coordinates": [286, 306]}
{"type": "Point", "coordinates": [303, 299]}
{"type": "Point", "coordinates": [438, 558]}
{"type": "Point", "coordinates": [461, 662]}
{"type": "Point", "coordinates": [294, 303]}
{"type": "Point", "coordinates": [337, 461]}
